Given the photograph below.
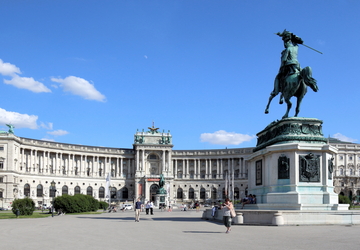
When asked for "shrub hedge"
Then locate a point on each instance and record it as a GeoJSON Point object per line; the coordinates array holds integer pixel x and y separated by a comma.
{"type": "Point", "coordinates": [25, 206]}
{"type": "Point", "coordinates": [345, 200]}
{"type": "Point", "coordinates": [78, 203]}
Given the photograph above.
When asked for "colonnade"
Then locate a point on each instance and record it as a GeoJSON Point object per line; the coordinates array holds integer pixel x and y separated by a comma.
{"type": "Point", "coordinates": [209, 168]}
{"type": "Point", "coordinates": [73, 164]}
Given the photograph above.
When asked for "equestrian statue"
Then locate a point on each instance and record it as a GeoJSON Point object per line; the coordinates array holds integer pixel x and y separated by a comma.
{"type": "Point", "coordinates": [291, 79]}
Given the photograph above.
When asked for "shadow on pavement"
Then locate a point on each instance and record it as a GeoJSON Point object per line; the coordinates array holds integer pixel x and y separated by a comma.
{"type": "Point", "coordinates": [144, 218]}
{"type": "Point", "coordinates": [202, 232]}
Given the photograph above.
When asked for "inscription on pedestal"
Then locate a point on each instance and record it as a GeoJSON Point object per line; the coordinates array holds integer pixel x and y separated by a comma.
{"type": "Point", "coordinates": [309, 168]}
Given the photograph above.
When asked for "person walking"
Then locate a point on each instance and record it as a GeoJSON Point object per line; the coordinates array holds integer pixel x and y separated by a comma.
{"type": "Point", "coordinates": [137, 210]}
{"type": "Point", "coordinates": [147, 207]}
{"type": "Point", "coordinates": [151, 206]}
{"type": "Point", "coordinates": [227, 206]}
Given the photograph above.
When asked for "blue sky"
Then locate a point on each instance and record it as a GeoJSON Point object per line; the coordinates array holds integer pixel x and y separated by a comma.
{"type": "Point", "coordinates": [93, 72]}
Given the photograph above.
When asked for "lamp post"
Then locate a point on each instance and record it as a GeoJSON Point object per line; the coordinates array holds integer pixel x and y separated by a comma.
{"type": "Point", "coordinates": [53, 189]}
{"type": "Point", "coordinates": [42, 207]}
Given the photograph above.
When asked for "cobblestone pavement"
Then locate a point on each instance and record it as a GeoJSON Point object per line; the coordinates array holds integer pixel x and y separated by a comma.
{"type": "Point", "coordinates": [167, 230]}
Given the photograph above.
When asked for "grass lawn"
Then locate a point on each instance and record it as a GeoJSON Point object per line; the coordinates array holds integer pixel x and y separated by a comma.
{"type": "Point", "coordinates": [10, 215]}
{"type": "Point", "coordinates": [36, 214]}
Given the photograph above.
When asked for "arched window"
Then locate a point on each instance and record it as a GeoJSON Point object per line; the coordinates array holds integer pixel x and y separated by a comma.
{"type": "Point", "coordinates": [213, 194]}
{"type": "Point", "coordinates": [52, 189]}
{"type": "Point", "coordinates": [125, 193]}
{"type": "Point", "coordinates": [27, 190]}
{"type": "Point", "coordinates": [39, 190]}
{"type": "Point", "coordinates": [113, 192]}
{"type": "Point", "coordinates": [179, 193]}
{"type": "Point", "coordinates": [77, 190]}
{"type": "Point", "coordinates": [101, 193]}
{"type": "Point", "coordinates": [65, 190]}
{"type": "Point", "coordinates": [191, 193]}
{"type": "Point", "coordinates": [202, 193]}
{"type": "Point", "coordinates": [89, 191]}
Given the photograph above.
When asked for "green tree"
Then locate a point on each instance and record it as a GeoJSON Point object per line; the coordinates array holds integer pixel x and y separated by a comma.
{"type": "Point", "coordinates": [25, 206]}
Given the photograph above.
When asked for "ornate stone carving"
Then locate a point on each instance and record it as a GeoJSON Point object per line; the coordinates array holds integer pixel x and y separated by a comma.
{"type": "Point", "coordinates": [309, 170]}
{"type": "Point", "coordinates": [283, 167]}
{"type": "Point", "coordinates": [294, 129]}
{"type": "Point", "coordinates": [330, 167]}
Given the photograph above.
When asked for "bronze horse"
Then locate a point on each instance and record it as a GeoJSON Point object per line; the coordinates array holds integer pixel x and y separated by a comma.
{"type": "Point", "coordinates": [295, 85]}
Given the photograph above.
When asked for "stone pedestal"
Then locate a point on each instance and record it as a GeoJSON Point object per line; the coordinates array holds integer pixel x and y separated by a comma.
{"type": "Point", "coordinates": [160, 199]}
{"type": "Point", "coordinates": [291, 168]}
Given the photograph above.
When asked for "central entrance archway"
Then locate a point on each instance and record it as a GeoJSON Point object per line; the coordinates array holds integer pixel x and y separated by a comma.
{"type": "Point", "coordinates": [153, 189]}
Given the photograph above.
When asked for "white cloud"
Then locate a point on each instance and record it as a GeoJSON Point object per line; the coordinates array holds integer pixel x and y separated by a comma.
{"type": "Point", "coordinates": [58, 132]}
{"type": "Point", "coordinates": [18, 120]}
{"type": "Point", "coordinates": [48, 126]}
{"type": "Point", "coordinates": [27, 83]}
{"type": "Point", "coordinates": [81, 87]}
{"type": "Point", "coordinates": [344, 138]}
{"type": "Point", "coordinates": [8, 69]}
{"type": "Point", "coordinates": [222, 137]}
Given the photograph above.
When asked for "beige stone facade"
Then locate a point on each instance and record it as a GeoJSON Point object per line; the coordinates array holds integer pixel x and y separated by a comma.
{"type": "Point", "coordinates": [28, 166]}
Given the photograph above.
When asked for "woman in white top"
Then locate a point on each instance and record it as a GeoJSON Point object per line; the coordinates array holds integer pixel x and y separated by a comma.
{"type": "Point", "coordinates": [227, 206]}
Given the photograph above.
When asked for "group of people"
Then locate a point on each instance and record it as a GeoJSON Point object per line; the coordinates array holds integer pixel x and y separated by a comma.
{"type": "Point", "coordinates": [249, 199]}
{"type": "Point", "coordinates": [149, 207]}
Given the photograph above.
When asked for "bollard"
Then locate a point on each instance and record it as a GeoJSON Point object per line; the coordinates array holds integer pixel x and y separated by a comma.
{"type": "Point", "coordinates": [238, 219]}
{"type": "Point", "coordinates": [278, 219]}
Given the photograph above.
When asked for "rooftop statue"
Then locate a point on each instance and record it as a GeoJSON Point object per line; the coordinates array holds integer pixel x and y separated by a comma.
{"type": "Point", "coordinates": [10, 131]}
{"type": "Point", "coordinates": [291, 79]}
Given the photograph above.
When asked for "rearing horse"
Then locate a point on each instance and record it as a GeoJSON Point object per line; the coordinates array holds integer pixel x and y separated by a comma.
{"type": "Point", "coordinates": [295, 85]}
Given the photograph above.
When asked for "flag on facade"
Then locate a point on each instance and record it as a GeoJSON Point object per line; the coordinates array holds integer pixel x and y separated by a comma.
{"type": "Point", "coordinates": [226, 184]}
{"type": "Point", "coordinates": [107, 186]}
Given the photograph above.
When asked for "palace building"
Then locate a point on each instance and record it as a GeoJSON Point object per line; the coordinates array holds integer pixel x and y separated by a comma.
{"type": "Point", "coordinates": [42, 170]}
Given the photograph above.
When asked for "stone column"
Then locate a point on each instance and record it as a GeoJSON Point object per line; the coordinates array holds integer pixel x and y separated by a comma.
{"type": "Point", "coordinates": [175, 170]}
{"type": "Point", "coordinates": [206, 169]}
{"type": "Point", "coordinates": [187, 169]}
{"type": "Point", "coordinates": [183, 169]}
{"type": "Point", "coordinates": [129, 168]}
{"type": "Point", "coordinates": [163, 167]}
{"type": "Point", "coordinates": [121, 167]}
{"type": "Point", "coordinates": [222, 169]}
{"type": "Point", "coordinates": [142, 160]}
{"type": "Point", "coordinates": [137, 160]}
{"type": "Point", "coordinates": [195, 168]}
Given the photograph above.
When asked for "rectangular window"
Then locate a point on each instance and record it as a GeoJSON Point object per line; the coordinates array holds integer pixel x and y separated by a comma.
{"type": "Point", "coordinates": [1, 179]}
{"type": "Point", "coordinates": [1, 194]}
{"type": "Point", "coordinates": [1, 165]}
{"type": "Point", "coordinates": [1, 148]}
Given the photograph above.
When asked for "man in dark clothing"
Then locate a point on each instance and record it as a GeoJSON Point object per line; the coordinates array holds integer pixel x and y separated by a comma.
{"type": "Point", "coordinates": [137, 210]}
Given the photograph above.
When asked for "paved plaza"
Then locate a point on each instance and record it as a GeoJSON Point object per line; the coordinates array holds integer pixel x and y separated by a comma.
{"type": "Point", "coordinates": [165, 230]}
